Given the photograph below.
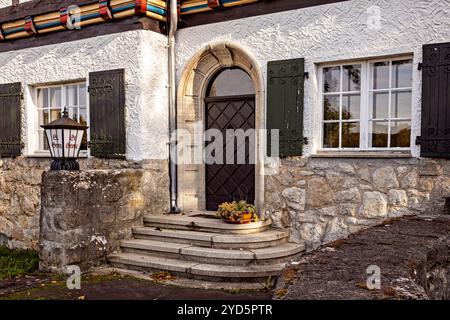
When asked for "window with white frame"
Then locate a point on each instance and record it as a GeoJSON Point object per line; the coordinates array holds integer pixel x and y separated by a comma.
{"type": "Point", "coordinates": [366, 105]}
{"type": "Point", "coordinates": [51, 101]}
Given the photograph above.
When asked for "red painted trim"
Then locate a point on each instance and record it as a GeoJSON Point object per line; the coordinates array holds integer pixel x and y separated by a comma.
{"type": "Point", "coordinates": [140, 7]}
{"type": "Point", "coordinates": [105, 10]}
{"type": "Point", "coordinates": [63, 16]}
{"type": "Point", "coordinates": [29, 25]}
{"type": "Point", "coordinates": [214, 3]}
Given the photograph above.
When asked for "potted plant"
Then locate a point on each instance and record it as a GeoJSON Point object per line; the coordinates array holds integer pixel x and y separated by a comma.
{"type": "Point", "coordinates": [238, 212]}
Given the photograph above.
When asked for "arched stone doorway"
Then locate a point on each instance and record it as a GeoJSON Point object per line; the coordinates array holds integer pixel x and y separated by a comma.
{"type": "Point", "coordinates": [192, 92]}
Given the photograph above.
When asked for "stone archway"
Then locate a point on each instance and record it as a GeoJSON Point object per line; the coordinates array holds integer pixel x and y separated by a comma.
{"type": "Point", "coordinates": [191, 109]}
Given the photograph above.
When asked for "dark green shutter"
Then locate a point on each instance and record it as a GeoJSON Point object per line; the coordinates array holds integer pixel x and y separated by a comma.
{"type": "Point", "coordinates": [107, 113]}
{"type": "Point", "coordinates": [435, 136]}
{"type": "Point", "coordinates": [10, 119]}
{"type": "Point", "coordinates": [285, 92]}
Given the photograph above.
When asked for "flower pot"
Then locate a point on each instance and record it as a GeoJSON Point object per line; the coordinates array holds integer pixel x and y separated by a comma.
{"type": "Point", "coordinates": [243, 219]}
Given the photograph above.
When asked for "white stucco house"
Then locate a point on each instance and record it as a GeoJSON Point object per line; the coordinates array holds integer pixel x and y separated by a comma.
{"type": "Point", "coordinates": [358, 90]}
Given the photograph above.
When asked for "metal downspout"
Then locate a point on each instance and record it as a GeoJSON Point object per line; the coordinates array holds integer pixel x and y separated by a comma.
{"type": "Point", "coordinates": [173, 20]}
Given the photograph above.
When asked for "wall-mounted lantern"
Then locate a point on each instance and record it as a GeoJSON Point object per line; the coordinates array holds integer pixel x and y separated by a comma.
{"type": "Point", "coordinates": [64, 137]}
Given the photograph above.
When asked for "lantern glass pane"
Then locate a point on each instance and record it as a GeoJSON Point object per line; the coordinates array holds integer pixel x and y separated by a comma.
{"type": "Point", "coordinates": [72, 142]}
{"type": "Point", "coordinates": [56, 143]}
{"type": "Point", "coordinates": [80, 134]}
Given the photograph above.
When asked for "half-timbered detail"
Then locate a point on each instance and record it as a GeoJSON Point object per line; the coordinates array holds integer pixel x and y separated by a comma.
{"type": "Point", "coordinates": [10, 120]}
{"type": "Point", "coordinates": [435, 136]}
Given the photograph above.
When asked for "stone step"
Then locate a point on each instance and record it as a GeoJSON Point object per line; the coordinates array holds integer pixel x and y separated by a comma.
{"type": "Point", "coordinates": [187, 252]}
{"type": "Point", "coordinates": [195, 270]}
{"type": "Point", "coordinates": [203, 224]}
{"type": "Point", "coordinates": [268, 238]}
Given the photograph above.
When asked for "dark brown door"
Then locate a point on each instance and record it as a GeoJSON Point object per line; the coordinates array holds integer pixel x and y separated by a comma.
{"type": "Point", "coordinates": [229, 182]}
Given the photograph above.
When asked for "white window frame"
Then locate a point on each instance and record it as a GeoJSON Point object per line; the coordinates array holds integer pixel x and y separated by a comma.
{"type": "Point", "coordinates": [37, 131]}
{"type": "Point", "coordinates": [364, 121]}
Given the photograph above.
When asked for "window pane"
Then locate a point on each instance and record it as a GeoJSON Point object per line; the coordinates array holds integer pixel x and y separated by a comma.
{"type": "Point", "coordinates": [331, 78]}
{"type": "Point", "coordinates": [72, 96]}
{"type": "Point", "coordinates": [352, 78]}
{"type": "Point", "coordinates": [381, 75]}
{"type": "Point", "coordinates": [43, 143]}
{"type": "Point", "coordinates": [55, 97]}
{"type": "Point", "coordinates": [83, 116]}
{"type": "Point", "coordinates": [42, 98]}
{"type": "Point", "coordinates": [55, 114]}
{"type": "Point", "coordinates": [401, 104]}
{"type": "Point", "coordinates": [400, 134]}
{"type": "Point", "coordinates": [380, 105]}
{"type": "Point", "coordinates": [351, 105]}
{"type": "Point", "coordinates": [73, 113]}
{"type": "Point", "coordinates": [331, 107]}
{"type": "Point", "coordinates": [402, 74]}
{"type": "Point", "coordinates": [82, 94]}
{"type": "Point", "coordinates": [231, 82]}
{"type": "Point", "coordinates": [331, 135]}
{"type": "Point", "coordinates": [380, 134]}
{"type": "Point", "coordinates": [350, 135]}
{"type": "Point", "coordinates": [83, 120]}
{"type": "Point", "coordinates": [43, 116]}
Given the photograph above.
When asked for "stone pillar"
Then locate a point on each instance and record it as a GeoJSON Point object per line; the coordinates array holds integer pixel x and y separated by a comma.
{"type": "Point", "coordinates": [85, 214]}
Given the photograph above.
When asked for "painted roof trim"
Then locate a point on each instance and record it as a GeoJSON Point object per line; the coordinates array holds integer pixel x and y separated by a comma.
{"type": "Point", "coordinates": [78, 15]}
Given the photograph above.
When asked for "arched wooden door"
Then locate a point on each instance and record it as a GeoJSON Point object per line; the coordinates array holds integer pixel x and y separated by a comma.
{"type": "Point", "coordinates": [230, 105]}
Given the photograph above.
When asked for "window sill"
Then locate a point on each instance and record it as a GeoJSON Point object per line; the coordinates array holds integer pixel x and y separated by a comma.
{"type": "Point", "coordinates": [363, 154]}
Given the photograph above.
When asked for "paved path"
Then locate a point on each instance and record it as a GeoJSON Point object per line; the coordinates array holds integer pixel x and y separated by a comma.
{"type": "Point", "coordinates": [46, 287]}
{"type": "Point", "coordinates": [412, 254]}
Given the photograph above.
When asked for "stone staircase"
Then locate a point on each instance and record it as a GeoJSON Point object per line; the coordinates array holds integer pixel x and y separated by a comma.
{"type": "Point", "coordinates": [198, 246]}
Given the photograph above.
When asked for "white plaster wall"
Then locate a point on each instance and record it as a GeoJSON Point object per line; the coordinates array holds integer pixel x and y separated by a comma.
{"type": "Point", "coordinates": [143, 56]}
{"type": "Point", "coordinates": [6, 3]}
{"type": "Point", "coordinates": [328, 33]}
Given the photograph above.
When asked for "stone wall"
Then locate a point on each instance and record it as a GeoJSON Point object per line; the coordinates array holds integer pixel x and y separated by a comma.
{"type": "Point", "coordinates": [20, 189]}
{"type": "Point", "coordinates": [20, 200]}
{"type": "Point", "coordinates": [322, 200]}
{"type": "Point", "coordinates": [85, 214]}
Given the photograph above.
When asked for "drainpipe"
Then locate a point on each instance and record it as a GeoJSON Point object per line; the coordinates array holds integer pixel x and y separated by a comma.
{"type": "Point", "coordinates": [173, 25]}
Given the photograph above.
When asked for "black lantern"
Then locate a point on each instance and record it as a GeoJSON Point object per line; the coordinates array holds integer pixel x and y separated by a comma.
{"type": "Point", "coordinates": [64, 137]}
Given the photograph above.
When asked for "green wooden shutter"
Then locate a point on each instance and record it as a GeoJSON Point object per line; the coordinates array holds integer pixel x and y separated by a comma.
{"type": "Point", "coordinates": [285, 92]}
{"type": "Point", "coordinates": [10, 119]}
{"type": "Point", "coordinates": [107, 114]}
{"type": "Point", "coordinates": [435, 136]}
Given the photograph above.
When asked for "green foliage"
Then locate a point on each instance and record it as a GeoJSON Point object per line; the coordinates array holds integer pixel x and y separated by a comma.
{"type": "Point", "coordinates": [17, 262]}
{"type": "Point", "coordinates": [235, 210]}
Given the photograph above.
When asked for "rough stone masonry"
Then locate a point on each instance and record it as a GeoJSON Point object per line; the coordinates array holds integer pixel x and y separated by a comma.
{"type": "Point", "coordinates": [322, 200]}
{"type": "Point", "coordinates": [20, 193]}
{"type": "Point", "coordinates": [85, 214]}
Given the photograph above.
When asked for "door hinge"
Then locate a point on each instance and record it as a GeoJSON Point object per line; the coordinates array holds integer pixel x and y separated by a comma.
{"type": "Point", "coordinates": [306, 74]}
{"type": "Point", "coordinates": [420, 66]}
{"type": "Point", "coordinates": [418, 140]}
